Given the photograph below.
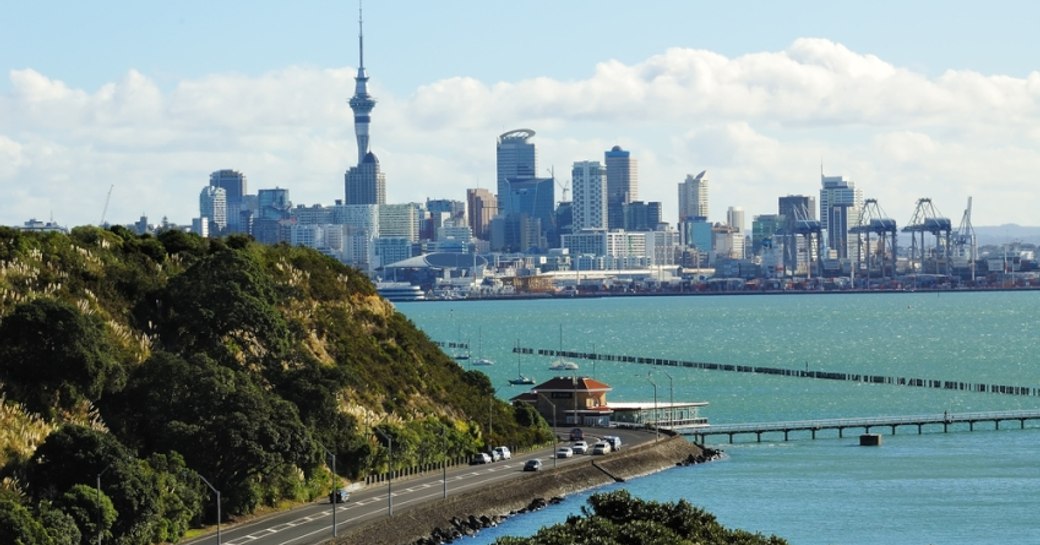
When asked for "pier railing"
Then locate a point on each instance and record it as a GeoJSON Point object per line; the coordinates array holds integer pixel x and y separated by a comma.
{"type": "Point", "coordinates": [945, 420]}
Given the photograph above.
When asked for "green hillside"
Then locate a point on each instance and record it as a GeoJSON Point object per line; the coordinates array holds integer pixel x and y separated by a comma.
{"type": "Point", "coordinates": [153, 361]}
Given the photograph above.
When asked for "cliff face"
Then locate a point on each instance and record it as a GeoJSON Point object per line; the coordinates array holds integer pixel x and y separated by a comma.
{"type": "Point", "coordinates": [248, 364]}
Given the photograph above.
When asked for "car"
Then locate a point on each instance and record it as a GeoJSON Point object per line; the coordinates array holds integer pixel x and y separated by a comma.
{"type": "Point", "coordinates": [339, 496]}
{"type": "Point", "coordinates": [615, 441]}
{"type": "Point", "coordinates": [580, 447]}
{"type": "Point", "coordinates": [534, 464]}
{"type": "Point", "coordinates": [564, 452]}
{"type": "Point", "coordinates": [601, 447]}
{"type": "Point", "coordinates": [503, 453]}
{"type": "Point", "coordinates": [577, 434]}
{"type": "Point", "coordinates": [495, 455]}
{"type": "Point", "coordinates": [480, 458]}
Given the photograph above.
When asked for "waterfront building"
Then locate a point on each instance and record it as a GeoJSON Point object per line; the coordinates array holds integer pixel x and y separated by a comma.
{"type": "Point", "coordinates": [235, 189]}
{"type": "Point", "coordinates": [693, 196]}
{"type": "Point", "coordinates": [391, 249]}
{"type": "Point", "coordinates": [38, 226]}
{"type": "Point", "coordinates": [840, 205]}
{"type": "Point", "coordinates": [764, 228]}
{"type": "Point", "coordinates": [620, 249]}
{"type": "Point", "coordinates": [589, 205]}
{"type": "Point", "coordinates": [728, 242]}
{"type": "Point", "coordinates": [622, 185]}
{"type": "Point", "coordinates": [213, 207]}
{"type": "Point", "coordinates": [364, 183]}
{"type": "Point", "coordinates": [481, 206]}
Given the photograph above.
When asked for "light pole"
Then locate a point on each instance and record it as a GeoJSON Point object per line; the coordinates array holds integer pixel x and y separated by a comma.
{"type": "Point", "coordinates": [657, 430]}
{"type": "Point", "coordinates": [553, 405]}
{"type": "Point", "coordinates": [217, 492]}
{"type": "Point", "coordinates": [109, 466]}
{"type": "Point", "coordinates": [390, 478]}
{"type": "Point", "coordinates": [671, 400]}
{"type": "Point", "coordinates": [335, 486]}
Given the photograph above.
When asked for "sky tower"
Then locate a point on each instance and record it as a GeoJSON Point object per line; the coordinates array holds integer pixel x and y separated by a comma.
{"type": "Point", "coordinates": [365, 183]}
{"type": "Point", "coordinates": [362, 102]}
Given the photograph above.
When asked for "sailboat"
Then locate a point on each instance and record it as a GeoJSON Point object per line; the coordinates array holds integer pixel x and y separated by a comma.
{"type": "Point", "coordinates": [462, 350]}
{"type": "Point", "coordinates": [520, 378]}
{"type": "Point", "coordinates": [559, 363]}
{"type": "Point", "coordinates": [481, 360]}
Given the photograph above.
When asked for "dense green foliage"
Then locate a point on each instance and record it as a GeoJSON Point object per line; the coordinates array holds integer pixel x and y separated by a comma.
{"type": "Point", "coordinates": [616, 518]}
{"type": "Point", "coordinates": [141, 367]}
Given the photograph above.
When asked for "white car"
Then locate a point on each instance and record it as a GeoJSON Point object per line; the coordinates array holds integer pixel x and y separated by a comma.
{"type": "Point", "coordinates": [564, 452]}
{"type": "Point", "coordinates": [580, 447]}
{"type": "Point", "coordinates": [502, 453]}
{"type": "Point", "coordinates": [601, 448]}
{"type": "Point", "coordinates": [480, 458]}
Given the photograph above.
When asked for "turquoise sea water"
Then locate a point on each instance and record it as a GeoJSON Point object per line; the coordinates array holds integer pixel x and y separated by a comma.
{"type": "Point", "coordinates": [965, 487]}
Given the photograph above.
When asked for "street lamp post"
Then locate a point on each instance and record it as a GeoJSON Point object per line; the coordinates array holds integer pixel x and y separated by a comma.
{"type": "Point", "coordinates": [217, 492]}
{"type": "Point", "coordinates": [657, 429]}
{"type": "Point", "coordinates": [390, 479]}
{"type": "Point", "coordinates": [109, 466]}
{"type": "Point", "coordinates": [671, 400]}
{"type": "Point", "coordinates": [335, 496]}
{"type": "Point", "coordinates": [553, 405]}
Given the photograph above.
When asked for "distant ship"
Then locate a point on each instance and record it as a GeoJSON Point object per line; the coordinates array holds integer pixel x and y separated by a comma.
{"type": "Point", "coordinates": [561, 364]}
{"type": "Point", "coordinates": [520, 378]}
{"type": "Point", "coordinates": [400, 291]}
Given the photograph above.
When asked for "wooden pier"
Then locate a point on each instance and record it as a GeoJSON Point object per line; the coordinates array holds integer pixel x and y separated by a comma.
{"type": "Point", "coordinates": [934, 422]}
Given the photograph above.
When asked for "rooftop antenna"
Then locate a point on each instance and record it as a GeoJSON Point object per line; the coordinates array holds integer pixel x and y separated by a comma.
{"type": "Point", "coordinates": [361, 37]}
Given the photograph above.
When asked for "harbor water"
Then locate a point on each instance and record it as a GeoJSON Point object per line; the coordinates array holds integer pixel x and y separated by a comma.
{"type": "Point", "coordinates": [976, 487]}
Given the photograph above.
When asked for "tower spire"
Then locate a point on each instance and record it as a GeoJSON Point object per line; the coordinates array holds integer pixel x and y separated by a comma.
{"type": "Point", "coordinates": [361, 37]}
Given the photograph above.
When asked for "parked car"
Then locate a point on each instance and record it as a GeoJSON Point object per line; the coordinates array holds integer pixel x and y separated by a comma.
{"type": "Point", "coordinates": [503, 453]}
{"type": "Point", "coordinates": [480, 458]}
{"type": "Point", "coordinates": [580, 447]}
{"type": "Point", "coordinates": [339, 496]}
{"type": "Point", "coordinates": [615, 441]}
{"type": "Point", "coordinates": [577, 434]}
{"type": "Point", "coordinates": [564, 452]}
{"type": "Point", "coordinates": [601, 447]}
{"type": "Point", "coordinates": [495, 456]}
{"type": "Point", "coordinates": [534, 464]}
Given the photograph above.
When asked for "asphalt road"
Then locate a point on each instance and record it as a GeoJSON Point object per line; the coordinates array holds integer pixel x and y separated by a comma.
{"type": "Point", "coordinates": [311, 524]}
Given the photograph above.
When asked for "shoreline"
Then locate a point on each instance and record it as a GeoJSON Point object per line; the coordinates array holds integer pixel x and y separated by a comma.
{"type": "Point", "coordinates": [496, 501]}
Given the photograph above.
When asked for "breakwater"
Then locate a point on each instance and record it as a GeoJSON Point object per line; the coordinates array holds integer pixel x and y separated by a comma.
{"type": "Point", "coordinates": [913, 382]}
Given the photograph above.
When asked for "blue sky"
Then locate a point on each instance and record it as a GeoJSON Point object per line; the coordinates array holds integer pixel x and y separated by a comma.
{"type": "Point", "coordinates": [907, 99]}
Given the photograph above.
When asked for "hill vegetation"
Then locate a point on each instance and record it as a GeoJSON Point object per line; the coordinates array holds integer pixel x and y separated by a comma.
{"type": "Point", "coordinates": [135, 369]}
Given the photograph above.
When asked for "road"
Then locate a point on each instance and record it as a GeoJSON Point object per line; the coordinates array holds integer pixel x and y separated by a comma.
{"type": "Point", "coordinates": [311, 524]}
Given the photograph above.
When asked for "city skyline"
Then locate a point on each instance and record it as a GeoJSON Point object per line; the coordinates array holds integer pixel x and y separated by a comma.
{"type": "Point", "coordinates": [759, 111]}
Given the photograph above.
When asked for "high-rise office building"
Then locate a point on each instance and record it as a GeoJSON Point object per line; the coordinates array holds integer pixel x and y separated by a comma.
{"type": "Point", "coordinates": [274, 214]}
{"type": "Point", "coordinates": [364, 183]}
{"type": "Point", "coordinates": [735, 218]}
{"type": "Point", "coordinates": [642, 216]}
{"type": "Point", "coordinates": [622, 185]}
{"type": "Point", "coordinates": [693, 197]}
{"type": "Point", "coordinates": [213, 207]}
{"type": "Point", "coordinates": [481, 206]}
{"type": "Point", "coordinates": [589, 205]}
{"type": "Point", "coordinates": [840, 203]}
{"type": "Point", "coordinates": [514, 159]}
{"type": "Point", "coordinates": [233, 183]}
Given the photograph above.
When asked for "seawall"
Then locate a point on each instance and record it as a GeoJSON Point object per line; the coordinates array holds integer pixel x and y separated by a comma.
{"type": "Point", "coordinates": [406, 527]}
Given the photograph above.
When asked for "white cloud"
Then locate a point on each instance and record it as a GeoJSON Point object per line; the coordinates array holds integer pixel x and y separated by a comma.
{"type": "Point", "coordinates": [760, 123]}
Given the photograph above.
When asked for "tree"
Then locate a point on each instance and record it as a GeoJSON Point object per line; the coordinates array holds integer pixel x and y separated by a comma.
{"type": "Point", "coordinates": [18, 526]}
{"type": "Point", "coordinates": [91, 510]}
{"type": "Point", "coordinates": [51, 354]}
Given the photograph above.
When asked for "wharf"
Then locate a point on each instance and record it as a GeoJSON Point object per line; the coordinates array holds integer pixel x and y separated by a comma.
{"type": "Point", "coordinates": [945, 420]}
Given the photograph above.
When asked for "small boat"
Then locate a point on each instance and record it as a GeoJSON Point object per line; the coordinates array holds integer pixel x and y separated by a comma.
{"type": "Point", "coordinates": [560, 363]}
{"type": "Point", "coordinates": [481, 360]}
{"type": "Point", "coordinates": [520, 379]}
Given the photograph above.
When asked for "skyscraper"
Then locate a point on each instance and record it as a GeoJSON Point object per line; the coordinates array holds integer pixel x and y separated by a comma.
{"type": "Point", "coordinates": [213, 208]}
{"type": "Point", "coordinates": [840, 203]}
{"type": "Point", "coordinates": [693, 197]}
{"type": "Point", "coordinates": [233, 183]}
{"type": "Point", "coordinates": [365, 183]}
{"type": "Point", "coordinates": [481, 206]}
{"type": "Point", "coordinates": [589, 184]}
{"type": "Point", "coordinates": [514, 159]}
{"type": "Point", "coordinates": [622, 185]}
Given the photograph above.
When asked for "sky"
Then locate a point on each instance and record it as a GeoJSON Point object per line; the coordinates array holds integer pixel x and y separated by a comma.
{"type": "Point", "coordinates": [908, 100]}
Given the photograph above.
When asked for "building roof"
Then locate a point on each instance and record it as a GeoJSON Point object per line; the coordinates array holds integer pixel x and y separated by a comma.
{"type": "Point", "coordinates": [440, 260]}
{"type": "Point", "coordinates": [566, 383]}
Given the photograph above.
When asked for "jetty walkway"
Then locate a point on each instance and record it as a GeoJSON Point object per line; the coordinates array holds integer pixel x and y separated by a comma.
{"type": "Point", "coordinates": [933, 421]}
{"type": "Point", "coordinates": [913, 382]}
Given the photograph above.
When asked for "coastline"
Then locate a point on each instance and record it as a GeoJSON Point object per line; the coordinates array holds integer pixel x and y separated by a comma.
{"type": "Point", "coordinates": [494, 501]}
